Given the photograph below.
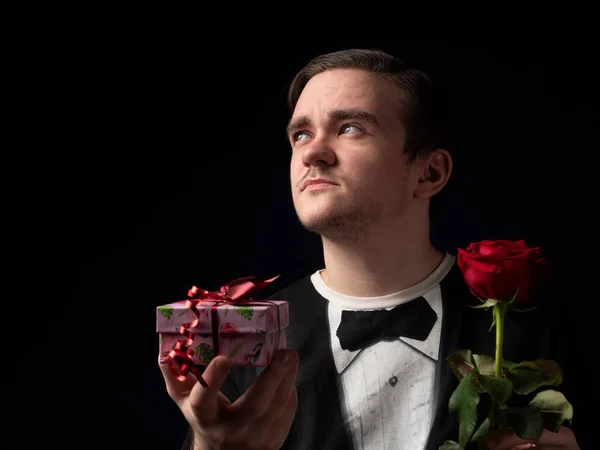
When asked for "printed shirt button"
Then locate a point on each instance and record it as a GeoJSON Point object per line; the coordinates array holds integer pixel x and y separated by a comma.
{"type": "Point", "coordinates": [393, 381]}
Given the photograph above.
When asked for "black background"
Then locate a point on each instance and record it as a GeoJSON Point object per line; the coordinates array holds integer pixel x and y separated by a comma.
{"type": "Point", "coordinates": [150, 155]}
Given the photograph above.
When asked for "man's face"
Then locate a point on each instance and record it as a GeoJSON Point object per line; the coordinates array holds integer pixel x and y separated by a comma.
{"type": "Point", "coordinates": [346, 129]}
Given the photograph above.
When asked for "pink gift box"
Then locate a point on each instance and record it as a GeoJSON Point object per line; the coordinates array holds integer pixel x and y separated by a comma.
{"type": "Point", "coordinates": [248, 333]}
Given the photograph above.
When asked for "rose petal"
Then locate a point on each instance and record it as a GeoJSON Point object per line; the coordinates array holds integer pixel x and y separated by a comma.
{"type": "Point", "coordinates": [498, 269]}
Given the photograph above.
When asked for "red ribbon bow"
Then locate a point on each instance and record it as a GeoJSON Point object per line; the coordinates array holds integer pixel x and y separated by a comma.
{"type": "Point", "coordinates": [234, 293]}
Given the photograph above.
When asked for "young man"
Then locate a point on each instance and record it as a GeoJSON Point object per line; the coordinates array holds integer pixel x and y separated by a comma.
{"type": "Point", "coordinates": [370, 152]}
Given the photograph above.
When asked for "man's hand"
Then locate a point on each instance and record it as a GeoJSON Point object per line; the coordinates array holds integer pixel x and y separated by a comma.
{"type": "Point", "coordinates": [260, 419]}
{"type": "Point", "coordinates": [507, 440]}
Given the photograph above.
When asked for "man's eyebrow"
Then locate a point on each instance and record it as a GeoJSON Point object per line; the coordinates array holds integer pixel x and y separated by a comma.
{"type": "Point", "coordinates": [296, 124]}
{"type": "Point", "coordinates": [354, 113]}
{"type": "Point", "coordinates": [335, 116]}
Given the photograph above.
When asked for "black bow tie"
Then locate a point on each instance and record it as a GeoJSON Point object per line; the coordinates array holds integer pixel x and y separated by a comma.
{"type": "Point", "coordinates": [360, 329]}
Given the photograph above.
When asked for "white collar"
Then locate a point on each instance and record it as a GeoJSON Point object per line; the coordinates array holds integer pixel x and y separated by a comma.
{"type": "Point", "coordinates": [428, 288]}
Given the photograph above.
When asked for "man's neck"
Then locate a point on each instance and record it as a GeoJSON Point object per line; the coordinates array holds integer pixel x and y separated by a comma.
{"type": "Point", "coordinates": [379, 265]}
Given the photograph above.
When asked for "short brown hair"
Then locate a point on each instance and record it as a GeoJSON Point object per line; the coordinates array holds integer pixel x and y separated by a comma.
{"type": "Point", "coordinates": [423, 107]}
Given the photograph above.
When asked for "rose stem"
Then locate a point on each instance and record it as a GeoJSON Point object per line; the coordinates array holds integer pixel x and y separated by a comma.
{"type": "Point", "coordinates": [499, 311]}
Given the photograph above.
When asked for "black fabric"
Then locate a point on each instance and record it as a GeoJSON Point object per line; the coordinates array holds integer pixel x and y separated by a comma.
{"type": "Point", "coordinates": [360, 329]}
{"type": "Point", "coordinates": [318, 423]}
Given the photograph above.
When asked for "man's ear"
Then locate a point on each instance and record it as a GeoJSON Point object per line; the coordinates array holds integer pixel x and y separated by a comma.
{"type": "Point", "coordinates": [436, 170]}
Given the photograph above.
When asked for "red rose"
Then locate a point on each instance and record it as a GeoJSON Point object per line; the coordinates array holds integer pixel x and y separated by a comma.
{"type": "Point", "coordinates": [496, 269]}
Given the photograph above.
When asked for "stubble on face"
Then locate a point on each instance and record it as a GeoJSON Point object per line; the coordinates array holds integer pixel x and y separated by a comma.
{"type": "Point", "coordinates": [354, 222]}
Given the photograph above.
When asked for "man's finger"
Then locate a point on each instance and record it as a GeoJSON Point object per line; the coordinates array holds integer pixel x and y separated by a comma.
{"type": "Point", "coordinates": [290, 410]}
{"type": "Point", "coordinates": [564, 437]}
{"type": "Point", "coordinates": [257, 398]}
{"type": "Point", "coordinates": [504, 440]}
{"type": "Point", "coordinates": [215, 375]}
{"type": "Point", "coordinates": [283, 422]}
{"type": "Point", "coordinates": [282, 394]}
{"type": "Point", "coordinates": [286, 417]}
{"type": "Point", "coordinates": [177, 390]}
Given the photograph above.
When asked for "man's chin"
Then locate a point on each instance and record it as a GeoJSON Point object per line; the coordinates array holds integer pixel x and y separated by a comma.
{"type": "Point", "coordinates": [317, 224]}
{"type": "Point", "coordinates": [333, 224]}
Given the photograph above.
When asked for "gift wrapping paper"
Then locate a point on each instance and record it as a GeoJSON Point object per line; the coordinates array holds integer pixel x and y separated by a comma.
{"type": "Point", "coordinates": [248, 333]}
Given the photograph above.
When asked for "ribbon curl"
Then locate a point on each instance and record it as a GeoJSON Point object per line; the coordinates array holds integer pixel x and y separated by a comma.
{"type": "Point", "coordinates": [235, 292]}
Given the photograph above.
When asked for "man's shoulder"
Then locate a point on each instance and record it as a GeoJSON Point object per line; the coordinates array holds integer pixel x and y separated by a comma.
{"type": "Point", "coordinates": [298, 287]}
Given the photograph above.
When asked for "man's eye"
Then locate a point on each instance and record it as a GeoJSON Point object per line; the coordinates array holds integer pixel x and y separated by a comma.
{"type": "Point", "coordinates": [346, 129]}
{"type": "Point", "coordinates": [299, 136]}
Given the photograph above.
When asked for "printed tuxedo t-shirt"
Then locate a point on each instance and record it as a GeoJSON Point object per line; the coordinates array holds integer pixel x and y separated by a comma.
{"type": "Point", "coordinates": [388, 388]}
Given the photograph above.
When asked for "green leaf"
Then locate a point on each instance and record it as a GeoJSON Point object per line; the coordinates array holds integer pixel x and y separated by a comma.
{"type": "Point", "coordinates": [485, 364]}
{"type": "Point", "coordinates": [554, 406]}
{"type": "Point", "coordinates": [512, 308]}
{"type": "Point", "coordinates": [204, 352]}
{"type": "Point", "coordinates": [257, 354]}
{"type": "Point", "coordinates": [461, 362]}
{"type": "Point", "coordinates": [449, 445]}
{"type": "Point", "coordinates": [499, 388]}
{"type": "Point", "coordinates": [487, 304]}
{"type": "Point", "coordinates": [508, 364]}
{"type": "Point", "coordinates": [552, 420]}
{"type": "Point", "coordinates": [531, 375]}
{"type": "Point", "coordinates": [483, 430]}
{"type": "Point", "coordinates": [551, 368]}
{"type": "Point", "coordinates": [493, 323]}
{"type": "Point", "coordinates": [165, 311]}
{"type": "Point", "coordinates": [463, 402]}
{"type": "Point", "coordinates": [526, 421]}
{"type": "Point", "coordinates": [514, 297]}
{"type": "Point", "coordinates": [245, 311]}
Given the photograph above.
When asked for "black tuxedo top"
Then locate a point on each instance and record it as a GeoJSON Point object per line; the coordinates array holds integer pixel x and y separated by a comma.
{"type": "Point", "coordinates": [318, 423]}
